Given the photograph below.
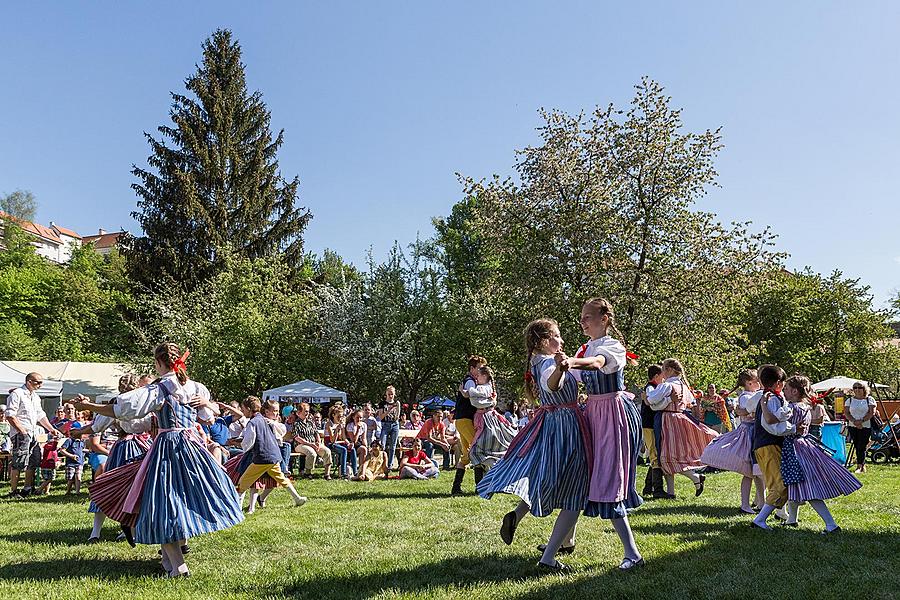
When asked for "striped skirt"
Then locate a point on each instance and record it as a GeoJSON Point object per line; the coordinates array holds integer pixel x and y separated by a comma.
{"type": "Point", "coordinates": [823, 477]}
{"type": "Point", "coordinates": [546, 464]}
{"type": "Point", "coordinates": [493, 433]}
{"type": "Point", "coordinates": [731, 452]}
{"type": "Point", "coordinates": [236, 466]}
{"type": "Point", "coordinates": [682, 442]}
{"type": "Point", "coordinates": [185, 492]}
{"type": "Point", "coordinates": [109, 491]}
{"type": "Point", "coordinates": [125, 450]}
{"type": "Point", "coordinates": [615, 424]}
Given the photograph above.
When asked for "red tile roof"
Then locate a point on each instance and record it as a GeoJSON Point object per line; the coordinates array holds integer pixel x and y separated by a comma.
{"type": "Point", "coordinates": [67, 232]}
{"type": "Point", "coordinates": [105, 240]}
{"type": "Point", "coordinates": [34, 228]}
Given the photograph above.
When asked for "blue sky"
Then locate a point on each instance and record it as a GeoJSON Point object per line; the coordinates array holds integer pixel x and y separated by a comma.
{"type": "Point", "coordinates": [383, 102]}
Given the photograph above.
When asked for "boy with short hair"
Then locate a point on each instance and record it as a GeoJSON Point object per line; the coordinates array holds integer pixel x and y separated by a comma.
{"type": "Point", "coordinates": [771, 424]}
{"type": "Point", "coordinates": [48, 464]}
{"type": "Point", "coordinates": [73, 451]}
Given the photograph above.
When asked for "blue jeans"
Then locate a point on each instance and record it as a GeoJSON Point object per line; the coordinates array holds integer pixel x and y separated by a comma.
{"type": "Point", "coordinates": [390, 432]}
{"type": "Point", "coordinates": [340, 451]}
{"type": "Point", "coordinates": [285, 457]}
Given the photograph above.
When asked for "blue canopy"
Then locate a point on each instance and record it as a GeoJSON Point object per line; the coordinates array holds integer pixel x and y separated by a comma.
{"type": "Point", "coordinates": [437, 402]}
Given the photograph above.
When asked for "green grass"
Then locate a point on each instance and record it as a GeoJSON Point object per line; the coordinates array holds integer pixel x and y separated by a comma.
{"type": "Point", "coordinates": [404, 539]}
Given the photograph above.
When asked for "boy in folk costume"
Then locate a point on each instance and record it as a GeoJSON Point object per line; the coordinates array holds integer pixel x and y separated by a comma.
{"type": "Point", "coordinates": [772, 423]}
{"type": "Point", "coordinates": [653, 484]}
{"type": "Point", "coordinates": [465, 423]}
{"type": "Point", "coordinates": [265, 451]}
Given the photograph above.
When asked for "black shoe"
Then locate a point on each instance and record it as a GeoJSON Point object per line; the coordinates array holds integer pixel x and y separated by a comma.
{"type": "Point", "coordinates": [94, 540]}
{"type": "Point", "coordinates": [129, 535]}
{"type": "Point", "coordinates": [185, 549]}
{"type": "Point", "coordinates": [508, 527]}
{"type": "Point", "coordinates": [27, 492]}
{"type": "Point", "coordinates": [755, 525]}
{"type": "Point", "coordinates": [698, 487]}
{"type": "Point", "coordinates": [562, 549]}
{"type": "Point", "coordinates": [665, 496]}
{"type": "Point", "coordinates": [559, 567]}
{"type": "Point", "coordinates": [833, 531]}
{"type": "Point", "coordinates": [629, 564]}
{"type": "Point", "coordinates": [786, 524]}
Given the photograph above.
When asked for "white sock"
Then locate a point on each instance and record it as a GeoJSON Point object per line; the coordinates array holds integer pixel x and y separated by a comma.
{"type": "Point", "coordinates": [254, 496]}
{"type": "Point", "coordinates": [792, 509]}
{"type": "Point", "coordinates": [820, 507]}
{"type": "Point", "coordinates": [99, 517]}
{"type": "Point", "coordinates": [764, 513]}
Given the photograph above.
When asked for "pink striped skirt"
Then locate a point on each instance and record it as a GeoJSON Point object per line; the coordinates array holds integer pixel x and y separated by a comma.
{"type": "Point", "coordinates": [683, 443]}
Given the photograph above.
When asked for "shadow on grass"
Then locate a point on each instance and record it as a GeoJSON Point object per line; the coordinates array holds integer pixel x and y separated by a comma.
{"type": "Point", "coordinates": [54, 498]}
{"type": "Point", "coordinates": [65, 537]}
{"type": "Point", "coordinates": [55, 570]}
{"type": "Point", "coordinates": [664, 507]}
{"type": "Point", "coordinates": [457, 571]}
{"type": "Point", "coordinates": [379, 494]}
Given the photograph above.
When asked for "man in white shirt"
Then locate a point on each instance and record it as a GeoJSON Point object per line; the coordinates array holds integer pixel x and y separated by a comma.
{"type": "Point", "coordinates": [24, 413]}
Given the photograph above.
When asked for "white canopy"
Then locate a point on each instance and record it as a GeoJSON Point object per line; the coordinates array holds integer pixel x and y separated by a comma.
{"type": "Point", "coordinates": [88, 378]}
{"type": "Point", "coordinates": [50, 392]}
{"type": "Point", "coordinates": [305, 391]}
{"type": "Point", "coordinates": [842, 383]}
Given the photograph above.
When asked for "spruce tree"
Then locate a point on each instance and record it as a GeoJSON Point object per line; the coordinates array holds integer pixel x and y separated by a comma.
{"type": "Point", "coordinates": [213, 186]}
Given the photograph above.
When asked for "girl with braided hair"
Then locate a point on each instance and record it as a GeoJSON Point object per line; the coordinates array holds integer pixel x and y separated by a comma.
{"type": "Point", "coordinates": [179, 491]}
{"type": "Point", "coordinates": [615, 425]}
{"type": "Point", "coordinates": [547, 463]}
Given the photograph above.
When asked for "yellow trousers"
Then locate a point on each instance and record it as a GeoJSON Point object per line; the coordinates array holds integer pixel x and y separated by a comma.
{"type": "Point", "coordinates": [769, 460]}
{"type": "Point", "coordinates": [650, 443]}
{"type": "Point", "coordinates": [254, 472]}
{"type": "Point", "coordinates": [466, 430]}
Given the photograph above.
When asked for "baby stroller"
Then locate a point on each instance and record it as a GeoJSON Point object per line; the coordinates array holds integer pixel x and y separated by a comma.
{"type": "Point", "coordinates": [885, 447]}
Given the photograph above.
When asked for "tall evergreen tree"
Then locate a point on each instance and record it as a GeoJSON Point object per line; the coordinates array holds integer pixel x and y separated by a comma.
{"type": "Point", "coordinates": [213, 186]}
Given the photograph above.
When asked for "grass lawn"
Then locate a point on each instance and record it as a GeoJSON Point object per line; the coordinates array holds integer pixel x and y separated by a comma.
{"type": "Point", "coordinates": [404, 539]}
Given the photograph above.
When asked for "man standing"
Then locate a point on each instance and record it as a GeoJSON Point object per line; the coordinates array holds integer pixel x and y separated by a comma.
{"type": "Point", "coordinates": [24, 413]}
{"type": "Point", "coordinates": [465, 424]}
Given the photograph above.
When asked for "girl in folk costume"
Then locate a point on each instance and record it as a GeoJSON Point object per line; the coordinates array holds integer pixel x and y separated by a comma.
{"type": "Point", "coordinates": [615, 425]}
{"type": "Point", "coordinates": [733, 451]}
{"type": "Point", "coordinates": [547, 463]}
{"type": "Point", "coordinates": [809, 473]}
{"type": "Point", "coordinates": [680, 438]}
{"type": "Point", "coordinates": [262, 444]}
{"type": "Point", "coordinates": [493, 432]}
{"type": "Point", "coordinates": [179, 491]}
{"type": "Point", "coordinates": [131, 445]}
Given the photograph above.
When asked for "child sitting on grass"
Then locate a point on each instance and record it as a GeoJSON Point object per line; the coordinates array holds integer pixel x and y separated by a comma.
{"type": "Point", "coordinates": [73, 451]}
{"type": "Point", "coordinates": [375, 467]}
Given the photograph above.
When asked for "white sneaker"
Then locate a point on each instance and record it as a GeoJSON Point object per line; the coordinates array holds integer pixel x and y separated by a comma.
{"type": "Point", "coordinates": [300, 501]}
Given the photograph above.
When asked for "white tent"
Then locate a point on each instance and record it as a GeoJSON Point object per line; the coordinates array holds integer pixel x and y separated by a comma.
{"type": "Point", "coordinates": [50, 392]}
{"type": "Point", "coordinates": [87, 378]}
{"type": "Point", "coordinates": [841, 383]}
{"type": "Point", "coordinates": [305, 391]}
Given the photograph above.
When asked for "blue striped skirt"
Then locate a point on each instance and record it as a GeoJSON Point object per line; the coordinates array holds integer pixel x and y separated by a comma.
{"type": "Point", "coordinates": [552, 474]}
{"type": "Point", "coordinates": [186, 493]}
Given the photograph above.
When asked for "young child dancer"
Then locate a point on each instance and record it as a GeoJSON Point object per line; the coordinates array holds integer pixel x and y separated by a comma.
{"type": "Point", "coordinates": [547, 463]}
{"type": "Point", "coordinates": [653, 484]}
{"type": "Point", "coordinates": [810, 474]}
{"type": "Point", "coordinates": [465, 424]}
{"type": "Point", "coordinates": [493, 433]}
{"type": "Point", "coordinates": [680, 439]}
{"type": "Point", "coordinates": [733, 451]}
{"type": "Point", "coordinates": [615, 426]}
{"type": "Point", "coordinates": [179, 491]}
{"type": "Point", "coordinates": [771, 423]}
{"type": "Point", "coordinates": [260, 443]}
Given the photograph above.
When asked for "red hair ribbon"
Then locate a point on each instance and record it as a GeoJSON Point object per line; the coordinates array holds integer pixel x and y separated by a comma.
{"type": "Point", "coordinates": [631, 355]}
{"type": "Point", "coordinates": [179, 364]}
{"type": "Point", "coordinates": [529, 377]}
{"type": "Point", "coordinates": [581, 351]}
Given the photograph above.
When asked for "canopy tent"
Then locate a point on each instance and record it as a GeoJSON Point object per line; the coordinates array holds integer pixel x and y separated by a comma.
{"type": "Point", "coordinates": [437, 402]}
{"type": "Point", "coordinates": [841, 383]}
{"type": "Point", "coordinates": [87, 378]}
{"type": "Point", "coordinates": [305, 391]}
{"type": "Point", "coordinates": [50, 392]}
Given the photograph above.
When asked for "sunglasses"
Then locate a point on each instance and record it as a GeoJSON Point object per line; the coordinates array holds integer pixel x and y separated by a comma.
{"type": "Point", "coordinates": [35, 382]}
{"type": "Point", "coordinates": [858, 387]}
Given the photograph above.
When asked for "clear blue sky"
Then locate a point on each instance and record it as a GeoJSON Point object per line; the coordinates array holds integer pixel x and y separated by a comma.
{"type": "Point", "coordinates": [383, 102]}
